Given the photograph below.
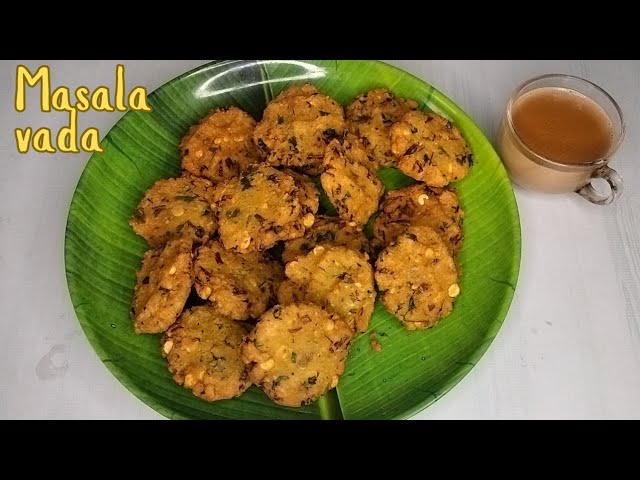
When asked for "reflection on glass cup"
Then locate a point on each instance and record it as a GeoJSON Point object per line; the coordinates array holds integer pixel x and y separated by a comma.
{"type": "Point", "coordinates": [532, 165]}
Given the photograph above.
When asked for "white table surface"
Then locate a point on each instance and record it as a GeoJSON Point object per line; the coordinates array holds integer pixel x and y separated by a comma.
{"type": "Point", "coordinates": [569, 348]}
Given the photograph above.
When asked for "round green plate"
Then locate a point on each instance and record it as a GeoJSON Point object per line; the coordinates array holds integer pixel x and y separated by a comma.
{"type": "Point", "coordinates": [413, 370]}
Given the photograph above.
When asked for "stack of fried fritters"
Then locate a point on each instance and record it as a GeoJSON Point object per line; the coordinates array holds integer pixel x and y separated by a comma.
{"type": "Point", "coordinates": [283, 288]}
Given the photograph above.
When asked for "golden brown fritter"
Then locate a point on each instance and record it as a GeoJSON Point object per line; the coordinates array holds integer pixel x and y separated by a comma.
{"type": "Point", "coordinates": [370, 117]}
{"type": "Point", "coordinates": [263, 206]}
{"type": "Point", "coordinates": [430, 148]}
{"type": "Point", "coordinates": [163, 286]}
{"type": "Point", "coordinates": [203, 352]}
{"type": "Point", "coordinates": [417, 278]}
{"type": "Point", "coordinates": [326, 231]}
{"type": "Point", "coordinates": [296, 127]}
{"type": "Point", "coordinates": [419, 205]}
{"type": "Point", "coordinates": [297, 353]}
{"type": "Point", "coordinates": [333, 277]}
{"type": "Point", "coordinates": [220, 146]}
{"type": "Point", "coordinates": [174, 206]}
{"type": "Point", "coordinates": [350, 182]}
{"type": "Point", "coordinates": [240, 286]}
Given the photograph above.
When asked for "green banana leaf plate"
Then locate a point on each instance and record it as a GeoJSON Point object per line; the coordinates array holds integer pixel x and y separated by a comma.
{"type": "Point", "coordinates": [413, 369]}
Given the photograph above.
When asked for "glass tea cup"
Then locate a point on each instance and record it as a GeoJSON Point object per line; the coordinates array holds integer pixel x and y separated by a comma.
{"type": "Point", "coordinates": [534, 171]}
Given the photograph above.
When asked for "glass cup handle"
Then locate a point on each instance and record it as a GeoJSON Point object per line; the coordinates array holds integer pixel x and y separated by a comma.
{"type": "Point", "coordinates": [613, 179]}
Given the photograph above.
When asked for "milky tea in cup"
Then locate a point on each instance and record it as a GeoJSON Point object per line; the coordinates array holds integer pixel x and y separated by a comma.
{"type": "Point", "coordinates": [558, 134]}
